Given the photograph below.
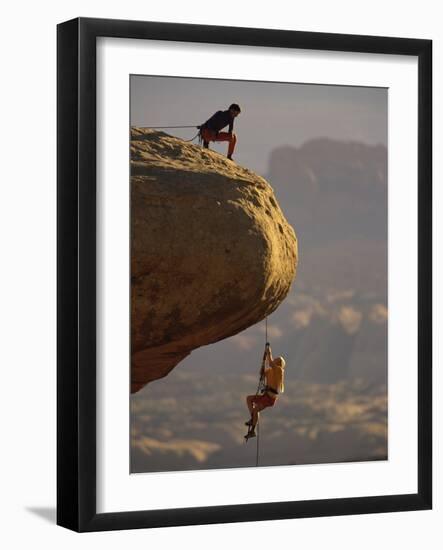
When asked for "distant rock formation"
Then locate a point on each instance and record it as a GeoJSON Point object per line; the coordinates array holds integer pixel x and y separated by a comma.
{"type": "Point", "coordinates": [333, 189]}
{"type": "Point", "coordinates": [211, 252]}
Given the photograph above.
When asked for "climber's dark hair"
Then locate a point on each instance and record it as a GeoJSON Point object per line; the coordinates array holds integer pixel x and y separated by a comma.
{"type": "Point", "coordinates": [235, 107]}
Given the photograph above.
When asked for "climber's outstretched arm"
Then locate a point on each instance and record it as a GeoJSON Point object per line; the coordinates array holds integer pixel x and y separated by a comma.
{"type": "Point", "coordinates": [269, 355]}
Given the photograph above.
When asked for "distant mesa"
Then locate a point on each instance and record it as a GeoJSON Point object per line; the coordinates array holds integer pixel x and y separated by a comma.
{"type": "Point", "coordinates": [336, 190]}
{"type": "Point", "coordinates": [211, 251]}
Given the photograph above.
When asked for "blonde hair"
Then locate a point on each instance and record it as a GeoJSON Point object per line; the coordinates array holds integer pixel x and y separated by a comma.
{"type": "Point", "coordinates": [280, 362]}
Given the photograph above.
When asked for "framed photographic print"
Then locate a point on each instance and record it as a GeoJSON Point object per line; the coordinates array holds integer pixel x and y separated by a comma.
{"type": "Point", "coordinates": [244, 274]}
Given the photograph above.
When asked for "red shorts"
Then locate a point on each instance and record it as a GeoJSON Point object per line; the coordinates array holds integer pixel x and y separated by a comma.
{"type": "Point", "coordinates": [265, 400]}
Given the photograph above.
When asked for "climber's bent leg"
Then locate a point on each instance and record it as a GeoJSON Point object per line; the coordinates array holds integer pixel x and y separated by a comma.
{"type": "Point", "coordinates": [207, 136]}
{"type": "Point", "coordinates": [256, 403]}
{"type": "Point", "coordinates": [259, 403]}
{"type": "Point", "coordinates": [210, 135]}
{"type": "Point", "coordinates": [232, 144]}
{"type": "Point", "coordinates": [258, 406]}
{"type": "Point", "coordinates": [250, 403]}
{"type": "Point", "coordinates": [231, 138]}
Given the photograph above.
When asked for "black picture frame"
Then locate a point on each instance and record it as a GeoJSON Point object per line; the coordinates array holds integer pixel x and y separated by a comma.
{"type": "Point", "coordinates": [76, 277]}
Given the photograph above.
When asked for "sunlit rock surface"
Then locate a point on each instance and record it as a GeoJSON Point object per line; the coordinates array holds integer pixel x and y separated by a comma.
{"type": "Point", "coordinates": [211, 251]}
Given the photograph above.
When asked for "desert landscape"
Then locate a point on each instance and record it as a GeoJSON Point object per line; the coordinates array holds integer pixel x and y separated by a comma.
{"type": "Point", "coordinates": [331, 326]}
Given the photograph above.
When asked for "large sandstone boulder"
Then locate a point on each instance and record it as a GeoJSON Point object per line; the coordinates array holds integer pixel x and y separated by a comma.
{"type": "Point", "coordinates": [211, 252]}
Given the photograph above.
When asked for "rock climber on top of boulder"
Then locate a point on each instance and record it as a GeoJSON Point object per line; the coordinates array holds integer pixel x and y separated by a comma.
{"type": "Point", "coordinates": [210, 130]}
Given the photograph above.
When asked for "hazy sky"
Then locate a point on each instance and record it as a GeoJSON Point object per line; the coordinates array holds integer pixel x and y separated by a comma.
{"type": "Point", "coordinates": [331, 328]}
{"type": "Point", "coordinates": [273, 114]}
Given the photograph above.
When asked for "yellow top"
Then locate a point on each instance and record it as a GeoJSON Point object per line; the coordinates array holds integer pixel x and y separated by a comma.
{"type": "Point", "coordinates": [275, 378]}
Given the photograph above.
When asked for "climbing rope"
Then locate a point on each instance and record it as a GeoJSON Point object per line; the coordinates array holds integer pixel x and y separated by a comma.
{"type": "Point", "coordinates": [196, 135]}
{"type": "Point", "coordinates": [164, 127]}
{"type": "Point", "coordinates": [257, 455]}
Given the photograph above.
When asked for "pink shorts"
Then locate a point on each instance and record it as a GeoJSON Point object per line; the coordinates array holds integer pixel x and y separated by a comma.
{"type": "Point", "coordinates": [264, 400]}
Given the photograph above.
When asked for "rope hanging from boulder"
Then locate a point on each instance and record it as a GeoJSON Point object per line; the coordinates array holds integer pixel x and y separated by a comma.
{"type": "Point", "coordinates": [260, 385]}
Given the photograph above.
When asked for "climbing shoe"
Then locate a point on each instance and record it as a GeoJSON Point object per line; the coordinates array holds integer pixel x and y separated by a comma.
{"type": "Point", "coordinates": [250, 434]}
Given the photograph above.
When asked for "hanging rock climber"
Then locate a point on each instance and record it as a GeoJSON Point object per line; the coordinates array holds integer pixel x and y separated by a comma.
{"type": "Point", "coordinates": [272, 373]}
{"type": "Point", "coordinates": [210, 130]}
